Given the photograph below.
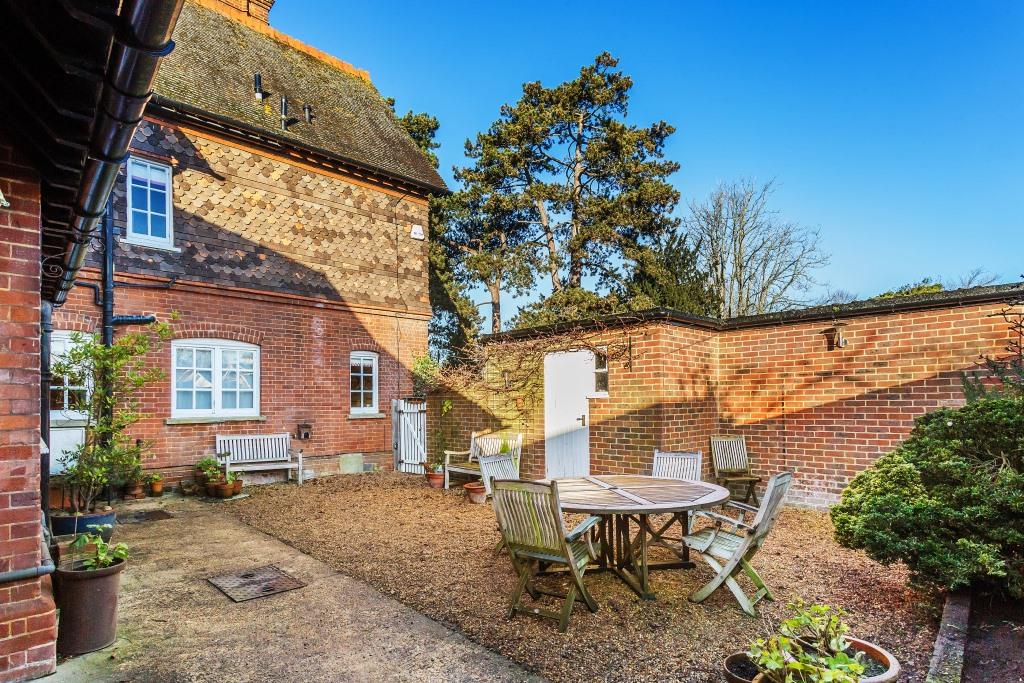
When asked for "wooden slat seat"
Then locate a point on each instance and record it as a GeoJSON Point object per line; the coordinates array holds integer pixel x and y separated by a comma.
{"type": "Point", "coordinates": [259, 452]}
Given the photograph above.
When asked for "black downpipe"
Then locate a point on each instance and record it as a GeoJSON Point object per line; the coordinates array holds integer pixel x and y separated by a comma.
{"type": "Point", "coordinates": [107, 299]}
{"type": "Point", "coordinates": [45, 380]}
{"type": "Point", "coordinates": [142, 39]}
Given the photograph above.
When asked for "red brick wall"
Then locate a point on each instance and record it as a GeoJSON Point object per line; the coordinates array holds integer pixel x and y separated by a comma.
{"type": "Point", "coordinates": [27, 615]}
{"type": "Point", "coordinates": [829, 414]}
{"type": "Point", "coordinates": [304, 358]}
{"type": "Point", "coordinates": [825, 414]}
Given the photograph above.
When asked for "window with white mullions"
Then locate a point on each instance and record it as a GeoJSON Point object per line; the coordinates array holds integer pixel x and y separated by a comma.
{"type": "Point", "coordinates": [600, 372]}
{"type": "Point", "coordinates": [69, 394]}
{"type": "Point", "coordinates": [215, 377]}
{"type": "Point", "coordinates": [149, 204]}
{"type": "Point", "coordinates": [363, 382]}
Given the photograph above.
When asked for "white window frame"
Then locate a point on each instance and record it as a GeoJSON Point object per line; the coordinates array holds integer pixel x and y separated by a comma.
{"type": "Point", "coordinates": [364, 356]}
{"type": "Point", "coordinates": [63, 338]}
{"type": "Point", "coordinates": [146, 240]}
{"type": "Point", "coordinates": [217, 346]}
{"type": "Point", "coordinates": [601, 393]}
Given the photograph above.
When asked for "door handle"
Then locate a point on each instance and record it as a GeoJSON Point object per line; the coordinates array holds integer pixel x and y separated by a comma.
{"type": "Point", "coordinates": [582, 419]}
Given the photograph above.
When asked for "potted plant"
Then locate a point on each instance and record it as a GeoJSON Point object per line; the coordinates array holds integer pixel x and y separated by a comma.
{"type": "Point", "coordinates": [114, 374]}
{"type": "Point", "coordinates": [156, 484]}
{"type": "Point", "coordinates": [86, 591]}
{"type": "Point", "coordinates": [133, 481]}
{"type": "Point", "coordinates": [812, 645]}
{"type": "Point", "coordinates": [207, 464]}
{"type": "Point", "coordinates": [226, 487]}
{"type": "Point", "coordinates": [212, 475]}
{"type": "Point", "coordinates": [476, 492]}
{"type": "Point", "coordinates": [435, 474]}
{"type": "Point", "coordinates": [238, 484]}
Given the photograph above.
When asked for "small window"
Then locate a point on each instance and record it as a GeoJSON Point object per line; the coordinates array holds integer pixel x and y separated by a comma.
{"type": "Point", "coordinates": [600, 373]}
{"type": "Point", "coordinates": [363, 382]}
{"type": "Point", "coordinates": [149, 204]}
{"type": "Point", "coordinates": [69, 394]}
{"type": "Point", "coordinates": [215, 378]}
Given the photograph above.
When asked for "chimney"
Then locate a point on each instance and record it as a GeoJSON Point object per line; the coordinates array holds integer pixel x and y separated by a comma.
{"type": "Point", "coordinates": [254, 9]}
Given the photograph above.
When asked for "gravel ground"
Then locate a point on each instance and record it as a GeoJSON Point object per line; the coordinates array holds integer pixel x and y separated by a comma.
{"type": "Point", "coordinates": [433, 550]}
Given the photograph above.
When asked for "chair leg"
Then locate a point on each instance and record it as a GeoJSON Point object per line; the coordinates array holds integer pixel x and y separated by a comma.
{"type": "Point", "coordinates": [570, 600]}
{"type": "Point", "coordinates": [446, 478]}
{"type": "Point", "coordinates": [722, 578]}
{"type": "Point", "coordinates": [517, 594]}
{"type": "Point", "coordinates": [758, 582]}
{"type": "Point", "coordinates": [752, 493]}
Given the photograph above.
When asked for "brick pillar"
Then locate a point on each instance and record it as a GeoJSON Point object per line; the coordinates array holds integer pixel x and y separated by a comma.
{"type": "Point", "coordinates": [27, 615]}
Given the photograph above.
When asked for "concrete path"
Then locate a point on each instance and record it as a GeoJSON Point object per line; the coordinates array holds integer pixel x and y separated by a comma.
{"type": "Point", "coordinates": [175, 626]}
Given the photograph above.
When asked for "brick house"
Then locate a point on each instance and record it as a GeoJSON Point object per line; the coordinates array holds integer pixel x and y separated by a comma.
{"type": "Point", "coordinates": [666, 380]}
{"type": "Point", "coordinates": [275, 205]}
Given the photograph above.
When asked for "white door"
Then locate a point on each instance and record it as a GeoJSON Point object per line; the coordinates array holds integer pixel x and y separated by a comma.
{"type": "Point", "coordinates": [568, 380]}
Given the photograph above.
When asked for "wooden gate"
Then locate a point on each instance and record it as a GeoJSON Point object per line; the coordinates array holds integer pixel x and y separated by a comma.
{"type": "Point", "coordinates": [409, 434]}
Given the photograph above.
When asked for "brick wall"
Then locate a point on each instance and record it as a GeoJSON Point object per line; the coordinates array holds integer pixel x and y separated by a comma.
{"type": "Point", "coordinates": [826, 415]}
{"type": "Point", "coordinates": [829, 414]}
{"type": "Point", "coordinates": [27, 615]}
{"type": "Point", "coordinates": [304, 369]}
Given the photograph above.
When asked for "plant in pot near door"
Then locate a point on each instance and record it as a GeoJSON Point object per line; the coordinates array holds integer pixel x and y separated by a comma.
{"type": "Point", "coordinates": [226, 488]}
{"type": "Point", "coordinates": [156, 485]}
{"type": "Point", "coordinates": [107, 455]}
{"type": "Point", "coordinates": [86, 591]}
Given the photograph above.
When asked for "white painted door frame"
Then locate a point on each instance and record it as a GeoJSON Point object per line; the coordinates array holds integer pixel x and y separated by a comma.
{"type": "Point", "coordinates": [568, 381]}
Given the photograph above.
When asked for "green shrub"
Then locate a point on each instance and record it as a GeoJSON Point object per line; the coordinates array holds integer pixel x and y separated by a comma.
{"type": "Point", "coordinates": [949, 501]}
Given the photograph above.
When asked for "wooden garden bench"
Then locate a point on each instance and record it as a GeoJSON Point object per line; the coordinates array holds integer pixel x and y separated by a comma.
{"type": "Point", "coordinates": [480, 444]}
{"type": "Point", "coordinates": [258, 453]}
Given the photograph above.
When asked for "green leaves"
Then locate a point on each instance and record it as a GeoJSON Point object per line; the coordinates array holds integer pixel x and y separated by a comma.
{"type": "Point", "coordinates": [103, 554]}
{"type": "Point", "coordinates": [949, 501]}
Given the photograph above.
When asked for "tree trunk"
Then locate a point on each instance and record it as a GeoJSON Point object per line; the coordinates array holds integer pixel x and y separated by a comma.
{"type": "Point", "coordinates": [495, 290]}
{"type": "Point", "coordinates": [576, 250]}
{"type": "Point", "coordinates": [552, 245]}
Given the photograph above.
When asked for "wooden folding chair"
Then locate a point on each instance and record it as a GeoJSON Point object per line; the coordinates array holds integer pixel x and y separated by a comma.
{"type": "Point", "coordinates": [732, 466]}
{"type": "Point", "coordinates": [676, 465]}
{"type": "Point", "coordinates": [533, 529]}
{"type": "Point", "coordinates": [729, 552]}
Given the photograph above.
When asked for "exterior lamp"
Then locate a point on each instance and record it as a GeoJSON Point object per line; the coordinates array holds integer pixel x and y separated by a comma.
{"type": "Point", "coordinates": [835, 338]}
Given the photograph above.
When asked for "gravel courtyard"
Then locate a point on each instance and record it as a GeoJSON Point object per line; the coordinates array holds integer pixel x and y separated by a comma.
{"type": "Point", "coordinates": [433, 551]}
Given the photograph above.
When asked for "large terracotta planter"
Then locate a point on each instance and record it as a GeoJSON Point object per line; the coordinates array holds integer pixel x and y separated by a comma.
{"type": "Point", "coordinates": [731, 661]}
{"type": "Point", "coordinates": [435, 479]}
{"type": "Point", "coordinates": [476, 492]}
{"type": "Point", "coordinates": [88, 608]}
{"type": "Point", "coordinates": [879, 655]}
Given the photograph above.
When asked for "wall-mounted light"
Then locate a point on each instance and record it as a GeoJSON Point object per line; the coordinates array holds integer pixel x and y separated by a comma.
{"type": "Point", "coordinates": [304, 431]}
{"type": "Point", "coordinates": [257, 87]}
{"type": "Point", "coordinates": [506, 376]}
{"type": "Point", "coordinates": [284, 113]}
{"type": "Point", "coordinates": [307, 112]}
{"type": "Point", "coordinates": [3, 202]}
{"type": "Point", "coordinates": [835, 338]}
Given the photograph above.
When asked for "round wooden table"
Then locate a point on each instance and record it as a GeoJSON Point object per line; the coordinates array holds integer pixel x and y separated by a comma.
{"type": "Point", "coordinates": [624, 499]}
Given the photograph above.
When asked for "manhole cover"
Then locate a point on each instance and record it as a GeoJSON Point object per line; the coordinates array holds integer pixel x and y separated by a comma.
{"type": "Point", "coordinates": [144, 516]}
{"type": "Point", "coordinates": [255, 583]}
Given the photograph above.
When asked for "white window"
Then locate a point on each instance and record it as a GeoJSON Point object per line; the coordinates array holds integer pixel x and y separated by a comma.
{"type": "Point", "coordinates": [69, 394]}
{"type": "Point", "coordinates": [363, 382]}
{"type": "Point", "coordinates": [215, 378]}
{"type": "Point", "coordinates": [600, 373]}
{"type": "Point", "coordinates": [149, 204]}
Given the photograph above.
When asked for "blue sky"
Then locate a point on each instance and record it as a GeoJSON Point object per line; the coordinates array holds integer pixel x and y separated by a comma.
{"type": "Point", "coordinates": [896, 128]}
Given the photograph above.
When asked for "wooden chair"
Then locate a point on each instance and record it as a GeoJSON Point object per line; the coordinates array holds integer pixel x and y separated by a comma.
{"type": "Point", "coordinates": [468, 462]}
{"type": "Point", "coordinates": [729, 552]}
{"type": "Point", "coordinates": [501, 466]}
{"type": "Point", "coordinates": [677, 465]}
{"type": "Point", "coordinates": [729, 458]}
{"type": "Point", "coordinates": [533, 529]}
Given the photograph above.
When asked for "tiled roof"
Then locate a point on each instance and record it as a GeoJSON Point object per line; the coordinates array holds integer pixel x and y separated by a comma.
{"type": "Point", "coordinates": [211, 69]}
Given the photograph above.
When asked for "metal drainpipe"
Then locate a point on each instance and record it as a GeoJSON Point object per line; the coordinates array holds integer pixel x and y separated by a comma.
{"type": "Point", "coordinates": [46, 566]}
{"type": "Point", "coordinates": [45, 379]}
{"type": "Point", "coordinates": [142, 39]}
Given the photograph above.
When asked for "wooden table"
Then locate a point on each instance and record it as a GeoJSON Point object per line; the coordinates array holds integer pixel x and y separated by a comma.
{"type": "Point", "coordinates": [628, 498]}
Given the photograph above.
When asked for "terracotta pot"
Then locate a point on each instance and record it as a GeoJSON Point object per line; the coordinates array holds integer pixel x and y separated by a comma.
{"type": "Point", "coordinates": [133, 489]}
{"type": "Point", "coordinates": [88, 608]}
{"type": "Point", "coordinates": [211, 489]}
{"type": "Point", "coordinates": [200, 477]}
{"type": "Point", "coordinates": [876, 653]}
{"type": "Point", "coordinates": [435, 479]}
{"type": "Point", "coordinates": [238, 486]}
{"type": "Point", "coordinates": [156, 488]}
{"type": "Point", "coordinates": [733, 660]}
{"type": "Point", "coordinates": [476, 492]}
{"type": "Point", "coordinates": [225, 490]}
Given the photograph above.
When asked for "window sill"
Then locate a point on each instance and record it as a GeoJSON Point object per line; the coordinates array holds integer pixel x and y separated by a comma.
{"type": "Point", "coordinates": [214, 419]}
{"type": "Point", "coordinates": [65, 422]}
{"type": "Point", "coordinates": [152, 245]}
{"type": "Point", "coordinates": [598, 394]}
{"type": "Point", "coordinates": [366, 416]}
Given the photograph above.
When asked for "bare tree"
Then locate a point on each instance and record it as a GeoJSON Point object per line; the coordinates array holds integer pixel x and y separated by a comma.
{"type": "Point", "coordinates": [835, 297]}
{"type": "Point", "coordinates": [976, 277]}
{"type": "Point", "coordinates": [758, 263]}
